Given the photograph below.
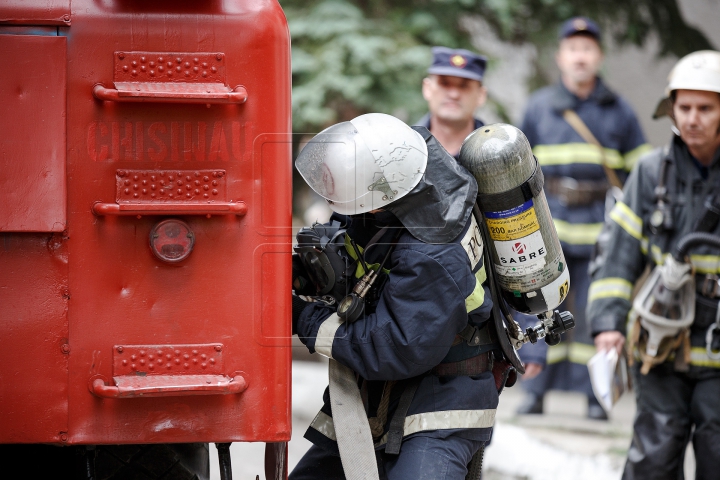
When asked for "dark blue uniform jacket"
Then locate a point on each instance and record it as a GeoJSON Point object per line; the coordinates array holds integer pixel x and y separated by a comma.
{"type": "Point", "coordinates": [431, 293]}
{"type": "Point", "coordinates": [562, 152]}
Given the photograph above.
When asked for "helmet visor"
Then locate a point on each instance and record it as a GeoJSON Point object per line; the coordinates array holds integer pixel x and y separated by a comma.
{"type": "Point", "coordinates": [337, 165]}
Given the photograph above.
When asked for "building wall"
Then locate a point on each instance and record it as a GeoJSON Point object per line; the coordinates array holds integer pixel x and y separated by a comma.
{"type": "Point", "coordinates": [638, 74]}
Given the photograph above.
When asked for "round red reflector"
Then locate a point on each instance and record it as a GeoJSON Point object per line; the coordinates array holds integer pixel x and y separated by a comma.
{"type": "Point", "coordinates": [172, 240]}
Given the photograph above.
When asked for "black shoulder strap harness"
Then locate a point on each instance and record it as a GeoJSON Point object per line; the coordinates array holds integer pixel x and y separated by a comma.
{"type": "Point", "coordinates": [710, 216]}
{"type": "Point", "coordinates": [662, 220]}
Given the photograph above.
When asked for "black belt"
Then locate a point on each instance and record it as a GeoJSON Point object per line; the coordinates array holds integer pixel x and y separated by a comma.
{"type": "Point", "coordinates": [472, 366]}
{"type": "Point", "coordinates": [574, 193]}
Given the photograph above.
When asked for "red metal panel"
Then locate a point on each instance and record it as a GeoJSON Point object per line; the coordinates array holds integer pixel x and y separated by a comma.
{"type": "Point", "coordinates": [32, 134]}
{"type": "Point", "coordinates": [170, 67]}
{"type": "Point", "coordinates": [122, 294]}
{"type": "Point", "coordinates": [153, 186]}
{"type": "Point", "coordinates": [44, 12]}
{"type": "Point", "coordinates": [149, 360]}
{"type": "Point", "coordinates": [34, 329]}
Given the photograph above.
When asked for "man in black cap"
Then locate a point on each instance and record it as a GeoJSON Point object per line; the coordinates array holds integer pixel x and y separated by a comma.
{"type": "Point", "coordinates": [453, 90]}
{"type": "Point", "coordinates": [586, 139]}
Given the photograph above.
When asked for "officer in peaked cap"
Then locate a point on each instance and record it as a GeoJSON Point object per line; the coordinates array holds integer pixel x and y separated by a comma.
{"type": "Point", "coordinates": [580, 26]}
{"type": "Point", "coordinates": [453, 90]}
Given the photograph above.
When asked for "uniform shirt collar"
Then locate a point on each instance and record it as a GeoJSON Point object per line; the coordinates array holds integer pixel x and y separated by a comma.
{"type": "Point", "coordinates": [425, 122]}
{"type": "Point", "coordinates": [563, 99]}
{"type": "Point", "coordinates": [680, 150]}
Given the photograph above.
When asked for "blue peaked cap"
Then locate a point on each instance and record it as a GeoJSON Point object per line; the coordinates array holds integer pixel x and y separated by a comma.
{"type": "Point", "coordinates": [580, 26]}
{"type": "Point", "coordinates": [457, 63]}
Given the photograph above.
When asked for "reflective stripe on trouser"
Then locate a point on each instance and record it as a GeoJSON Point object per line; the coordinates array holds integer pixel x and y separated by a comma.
{"type": "Point", "coordinates": [567, 362]}
{"type": "Point", "coordinates": [573, 352]}
{"type": "Point", "coordinates": [669, 404]}
{"type": "Point", "coordinates": [703, 263]}
{"type": "Point", "coordinates": [421, 458]}
{"type": "Point", "coordinates": [577, 233]}
{"type": "Point", "coordinates": [698, 358]}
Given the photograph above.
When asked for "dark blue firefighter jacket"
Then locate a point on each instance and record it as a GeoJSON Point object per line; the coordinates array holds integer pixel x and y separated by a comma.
{"type": "Point", "coordinates": [562, 152]}
{"type": "Point", "coordinates": [431, 293]}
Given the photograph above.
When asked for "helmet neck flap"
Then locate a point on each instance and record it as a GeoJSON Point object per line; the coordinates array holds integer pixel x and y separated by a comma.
{"type": "Point", "coordinates": [438, 208]}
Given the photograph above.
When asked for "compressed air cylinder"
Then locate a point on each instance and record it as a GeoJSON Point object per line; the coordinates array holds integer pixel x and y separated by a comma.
{"type": "Point", "coordinates": [529, 264]}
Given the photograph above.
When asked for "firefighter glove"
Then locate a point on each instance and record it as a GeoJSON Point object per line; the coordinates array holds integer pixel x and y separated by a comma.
{"type": "Point", "coordinates": [298, 305]}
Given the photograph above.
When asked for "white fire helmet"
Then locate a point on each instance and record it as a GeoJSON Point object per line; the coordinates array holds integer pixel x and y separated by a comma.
{"type": "Point", "coordinates": [364, 164]}
{"type": "Point", "coordinates": [697, 71]}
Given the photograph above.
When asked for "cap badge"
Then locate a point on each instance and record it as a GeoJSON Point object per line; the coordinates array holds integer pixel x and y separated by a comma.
{"type": "Point", "coordinates": [579, 24]}
{"type": "Point", "coordinates": [458, 60]}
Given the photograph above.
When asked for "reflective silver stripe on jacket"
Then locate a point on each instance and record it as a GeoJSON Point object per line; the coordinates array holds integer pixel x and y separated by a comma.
{"type": "Point", "coordinates": [610, 287]}
{"type": "Point", "coordinates": [627, 219]}
{"type": "Point", "coordinates": [421, 422]}
{"type": "Point", "coordinates": [572, 153]}
{"type": "Point", "coordinates": [574, 352]}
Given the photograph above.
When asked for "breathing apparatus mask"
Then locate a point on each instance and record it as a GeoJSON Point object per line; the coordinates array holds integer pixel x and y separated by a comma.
{"type": "Point", "coordinates": [321, 249]}
{"type": "Point", "coordinates": [665, 305]}
{"type": "Point", "coordinates": [331, 259]}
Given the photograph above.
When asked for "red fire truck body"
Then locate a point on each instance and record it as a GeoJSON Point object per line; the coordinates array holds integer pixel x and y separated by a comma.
{"type": "Point", "coordinates": [145, 210]}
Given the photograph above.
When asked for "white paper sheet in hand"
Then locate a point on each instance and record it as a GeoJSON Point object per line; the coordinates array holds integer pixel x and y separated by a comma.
{"type": "Point", "coordinates": [609, 377]}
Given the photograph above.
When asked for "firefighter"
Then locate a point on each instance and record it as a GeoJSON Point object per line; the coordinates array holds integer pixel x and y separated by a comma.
{"type": "Point", "coordinates": [579, 169]}
{"type": "Point", "coordinates": [422, 351]}
{"type": "Point", "coordinates": [454, 90]}
{"type": "Point", "coordinates": [666, 197]}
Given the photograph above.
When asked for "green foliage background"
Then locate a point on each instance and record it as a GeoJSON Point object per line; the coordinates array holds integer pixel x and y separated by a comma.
{"type": "Point", "coordinates": [355, 56]}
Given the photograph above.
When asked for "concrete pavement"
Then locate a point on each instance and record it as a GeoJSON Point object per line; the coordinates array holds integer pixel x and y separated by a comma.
{"type": "Point", "coordinates": [562, 444]}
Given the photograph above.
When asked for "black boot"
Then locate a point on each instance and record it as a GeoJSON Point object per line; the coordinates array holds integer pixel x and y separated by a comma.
{"type": "Point", "coordinates": [595, 411]}
{"type": "Point", "coordinates": [532, 405]}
